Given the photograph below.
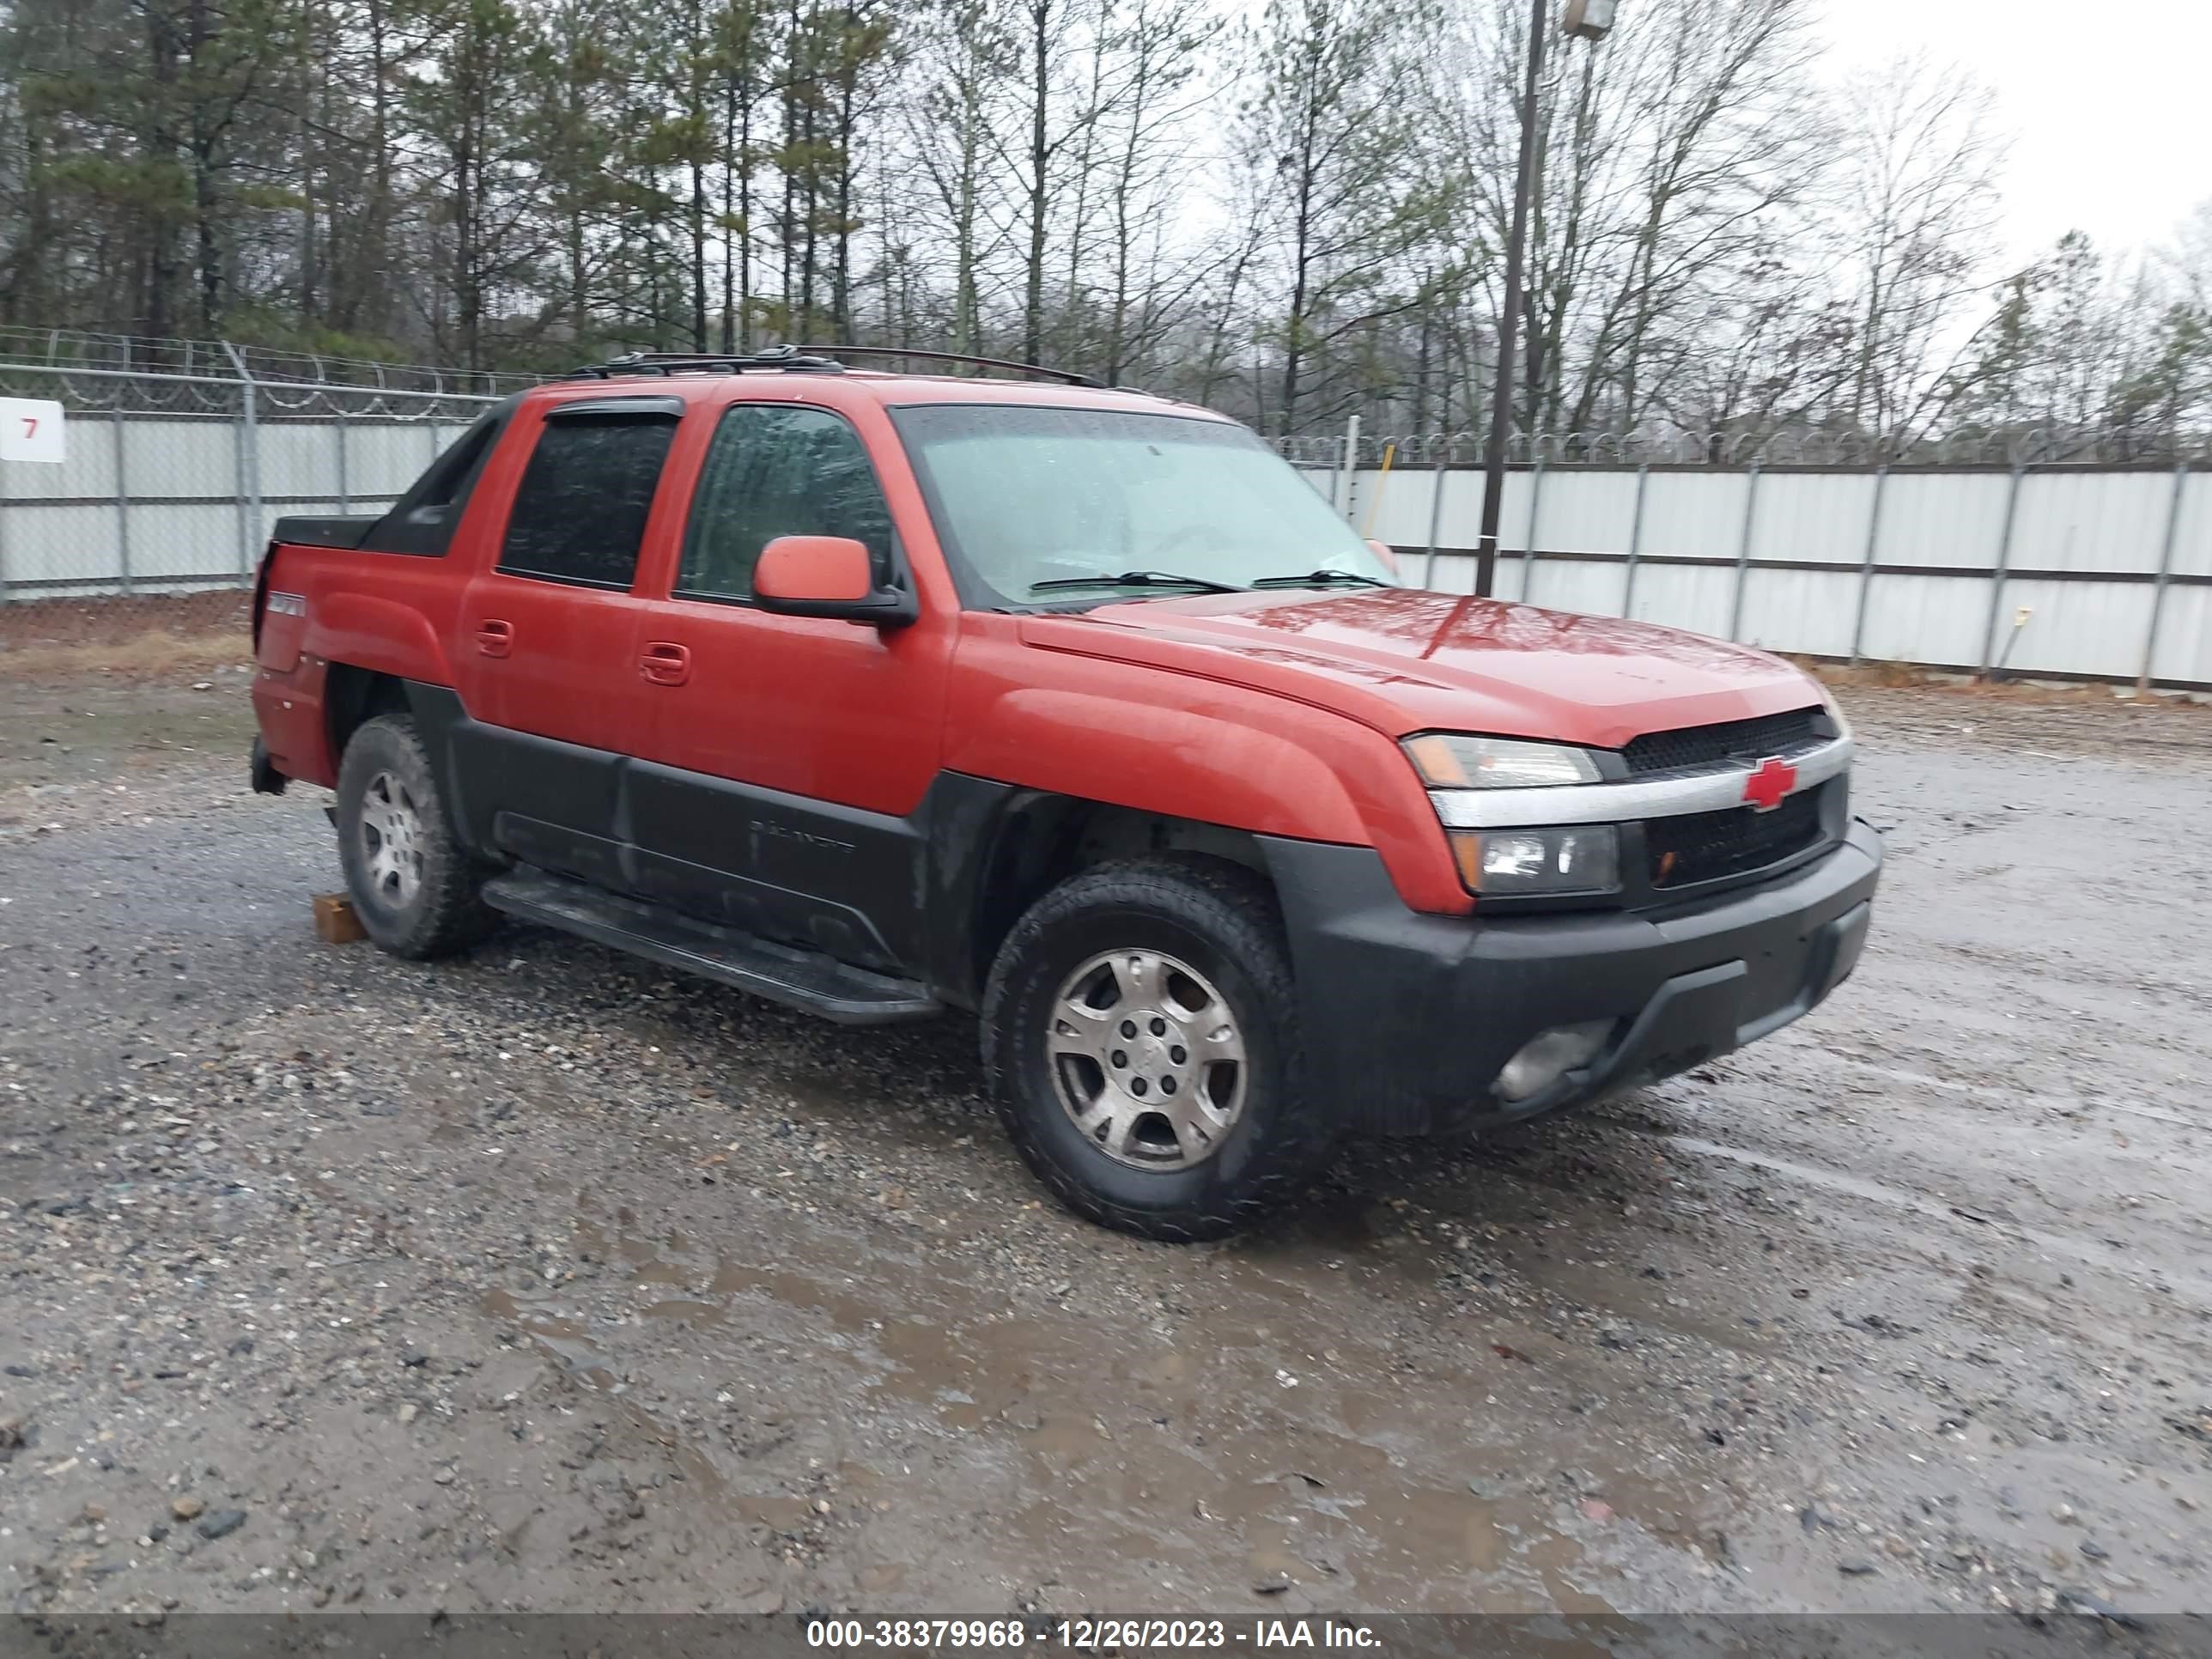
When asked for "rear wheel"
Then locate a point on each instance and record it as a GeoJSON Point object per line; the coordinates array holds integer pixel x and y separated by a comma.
{"type": "Point", "coordinates": [414, 887]}
{"type": "Point", "coordinates": [1141, 1041]}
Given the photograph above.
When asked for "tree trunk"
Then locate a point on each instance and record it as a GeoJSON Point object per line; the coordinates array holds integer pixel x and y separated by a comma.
{"type": "Point", "coordinates": [810, 221]}
{"type": "Point", "coordinates": [310, 252]}
{"type": "Point", "coordinates": [1039, 185]}
{"type": "Point", "coordinates": [698, 229]}
{"type": "Point", "coordinates": [158, 289]}
{"type": "Point", "coordinates": [1302, 241]}
{"type": "Point", "coordinates": [841, 300]}
{"type": "Point", "coordinates": [374, 255]}
{"type": "Point", "coordinates": [468, 299]}
{"type": "Point", "coordinates": [746, 222]}
{"type": "Point", "coordinates": [730, 164]}
{"type": "Point", "coordinates": [204, 140]}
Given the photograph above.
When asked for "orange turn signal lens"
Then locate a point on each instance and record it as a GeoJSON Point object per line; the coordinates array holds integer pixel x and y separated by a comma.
{"type": "Point", "coordinates": [1435, 758]}
{"type": "Point", "coordinates": [1454, 760]}
{"type": "Point", "coordinates": [1467, 853]}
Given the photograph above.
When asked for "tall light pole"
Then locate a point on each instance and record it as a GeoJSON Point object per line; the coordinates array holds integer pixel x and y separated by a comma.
{"type": "Point", "coordinates": [1591, 20]}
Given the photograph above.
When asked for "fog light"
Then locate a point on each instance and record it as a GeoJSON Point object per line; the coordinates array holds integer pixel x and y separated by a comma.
{"type": "Point", "coordinates": [1550, 1057]}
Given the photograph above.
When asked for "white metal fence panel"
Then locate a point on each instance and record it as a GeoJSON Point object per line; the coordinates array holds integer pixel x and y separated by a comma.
{"type": "Point", "coordinates": [1940, 620]}
{"type": "Point", "coordinates": [1808, 611]}
{"type": "Point", "coordinates": [1820, 517]}
{"type": "Point", "coordinates": [297, 459]}
{"type": "Point", "coordinates": [1586, 585]}
{"type": "Point", "coordinates": [1395, 509]}
{"type": "Point", "coordinates": [173, 488]}
{"type": "Point", "coordinates": [1942, 520]}
{"type": "Point", "coordinates": [1923, 565]}
{"type": "Point", "coordinates": [155, 503]}
{"type": "Point", "coordinates": [2185, 638]}
{"type": "Point", "coordinates": [176, 456]}
{"type": "Point", "coordinates": [2092, 521]}
{"type": "Point", "coordinates": [2192, 527]}
{"type": "Point", "coordinates": [87, 471]}
{"type": "Point", "coordinates": [383, 459]}
{"type": "Point", "coordinates": [1596, 516]}
{"type": "Point", "coordinates": [1686, 515]}
{"type": "Point", "coordinates": [2078, 628]}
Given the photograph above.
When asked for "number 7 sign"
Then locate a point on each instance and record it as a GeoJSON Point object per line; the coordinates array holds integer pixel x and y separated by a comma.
{"type": "Point", "coordinates": [30, 430]}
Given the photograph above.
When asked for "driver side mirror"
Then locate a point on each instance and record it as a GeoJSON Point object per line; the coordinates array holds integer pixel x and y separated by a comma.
{"type": "Point", "coordinates": [828, 576]}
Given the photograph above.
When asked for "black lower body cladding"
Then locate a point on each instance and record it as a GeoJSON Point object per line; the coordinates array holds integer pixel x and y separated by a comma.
{"type": "Point", "coordinates": [1409, 1018]}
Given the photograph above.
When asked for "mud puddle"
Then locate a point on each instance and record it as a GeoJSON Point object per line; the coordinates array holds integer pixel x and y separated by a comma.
{"type": "Point", "coordinates": [1238, 1454]}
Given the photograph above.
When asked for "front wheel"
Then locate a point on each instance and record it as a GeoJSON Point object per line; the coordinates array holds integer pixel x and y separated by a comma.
{"type": "Point", "coordinates": [1140, 1036]}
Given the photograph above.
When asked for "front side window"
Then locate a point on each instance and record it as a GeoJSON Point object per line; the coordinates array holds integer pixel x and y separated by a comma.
{"type": "Point", "coordinates": [1028, 496]}
{"type": "Point", "coordinates": [580, 513]}
{"type": "Point", "coordinates": [778, 469]}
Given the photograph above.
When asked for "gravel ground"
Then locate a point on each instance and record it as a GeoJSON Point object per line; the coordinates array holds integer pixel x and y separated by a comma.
{"type": "Point", "coordinates": [544, 1279]}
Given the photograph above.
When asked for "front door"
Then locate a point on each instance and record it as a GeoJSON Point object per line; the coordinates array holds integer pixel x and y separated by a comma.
{"type": "Point", "coordinates": [548, 667]}
{"type": "Point", "coordinates": [779, 785]}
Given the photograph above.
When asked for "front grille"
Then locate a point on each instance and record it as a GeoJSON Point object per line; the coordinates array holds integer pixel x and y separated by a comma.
{"type": "Point", "coordinates": [1706, 745]}
{"type": "Point", "coordinates": [1707, 846]}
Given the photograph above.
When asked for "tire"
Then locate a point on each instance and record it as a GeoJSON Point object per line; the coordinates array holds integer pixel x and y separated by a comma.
{"type": "Point", "coordinates": [1205, 926]}
{"type": "Point", "coordinates": [436, 910]}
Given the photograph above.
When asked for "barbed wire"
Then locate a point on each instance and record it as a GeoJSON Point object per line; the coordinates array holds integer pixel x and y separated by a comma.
{"type": "Point", "coordinates": [1966, 446]}
{"type": "Point", "coordinates": [128, 375]}
{"type": "Point", "coordinates": [62, 348]}
{"type": "Point", "coordinates": [120, 373]}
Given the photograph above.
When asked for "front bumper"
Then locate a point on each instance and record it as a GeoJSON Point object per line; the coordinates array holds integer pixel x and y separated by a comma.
{"type": "Point", "coordinates": [1407, 1018]}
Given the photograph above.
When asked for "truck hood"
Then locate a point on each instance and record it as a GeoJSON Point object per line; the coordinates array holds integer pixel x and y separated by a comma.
{"type": "Point", "coordinates": [1403, 660]}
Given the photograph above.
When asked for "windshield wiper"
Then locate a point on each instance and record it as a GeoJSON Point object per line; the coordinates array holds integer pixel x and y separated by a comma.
{"type": "Point", "coordinates": [1322, 579]}
{"type": "Point", "coordinates": [1137, 579]}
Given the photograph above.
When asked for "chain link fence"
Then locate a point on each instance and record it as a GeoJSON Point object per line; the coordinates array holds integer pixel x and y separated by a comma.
{"type": "Point", "coordinates": [1967, 448]}
{"type": "Point", "coordinates": [180, 455]}
{"type": "Point", "coordinates": [2087, 550]}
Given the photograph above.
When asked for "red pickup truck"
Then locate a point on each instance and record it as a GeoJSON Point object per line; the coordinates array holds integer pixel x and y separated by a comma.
{"type": "Point", "coordinates": [884, 695]}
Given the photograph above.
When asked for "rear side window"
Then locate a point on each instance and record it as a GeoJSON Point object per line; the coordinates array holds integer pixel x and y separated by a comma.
{"type": "Point", "coordinates": [579, 512]}
{"type": "Point", "coordinates": [421, 521]}
{"type": "Point", "coordinates": [442, 482]}
{"type": "Point", "coordinates": [775, 470]}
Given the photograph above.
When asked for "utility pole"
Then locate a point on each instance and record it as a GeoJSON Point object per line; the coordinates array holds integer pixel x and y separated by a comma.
{"type": "Point", "coordinates": [1592, 19]}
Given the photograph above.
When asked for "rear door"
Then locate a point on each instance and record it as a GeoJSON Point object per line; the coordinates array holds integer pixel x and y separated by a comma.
{"type": "Point", "coordinates": [547, 662]}
{"type": "Point", "coordinates": [777, 786]}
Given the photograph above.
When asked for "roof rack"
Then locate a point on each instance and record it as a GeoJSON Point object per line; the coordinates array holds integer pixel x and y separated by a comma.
{"type": "Point", "coordinates": [790, 359]}
{"type": "Point", "coordinates": [1065, 376]}
{"type": "Point", "coordinates": [787, 358]}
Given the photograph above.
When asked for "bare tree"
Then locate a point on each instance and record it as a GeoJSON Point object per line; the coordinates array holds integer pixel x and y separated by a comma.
{"type": "Point", "coordinates": [1913, 207]}
{"type": "Point", "coordinates": [1325, 120]}
{"type": "Point", "coordinates": [1302, 227]}
{"type": "Point", "coordinates": [1676, 154]}
{"type": "Point", "coordinates": [1129, 274]}
{"type": "Point", "coordinates": [957, 121]}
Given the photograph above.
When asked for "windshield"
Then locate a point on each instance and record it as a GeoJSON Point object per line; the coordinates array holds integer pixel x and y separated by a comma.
{"type": "Point", "coordinates": [1023, 495]}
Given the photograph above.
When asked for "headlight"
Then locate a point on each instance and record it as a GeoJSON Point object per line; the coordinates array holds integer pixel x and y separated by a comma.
{"type": "Point", "coordinates": [1539, 863]}
{"type": "Point", "coordinates": [1835, 713]}
{"type": "Point", "coordinates": [1448, 762]}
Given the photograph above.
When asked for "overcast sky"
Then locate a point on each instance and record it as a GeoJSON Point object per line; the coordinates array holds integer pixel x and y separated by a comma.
{"type": "Point", "coordinates": [2107, 102]}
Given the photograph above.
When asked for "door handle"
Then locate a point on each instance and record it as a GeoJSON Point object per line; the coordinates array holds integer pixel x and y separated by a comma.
{"type": "Point", "coordinates": [666, 663]}
{"type": "Point", "coordinates": [494, 638]}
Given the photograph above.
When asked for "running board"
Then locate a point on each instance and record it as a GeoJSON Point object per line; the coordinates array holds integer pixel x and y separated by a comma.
{"type": "Point", "coordinates": [806, 980]}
